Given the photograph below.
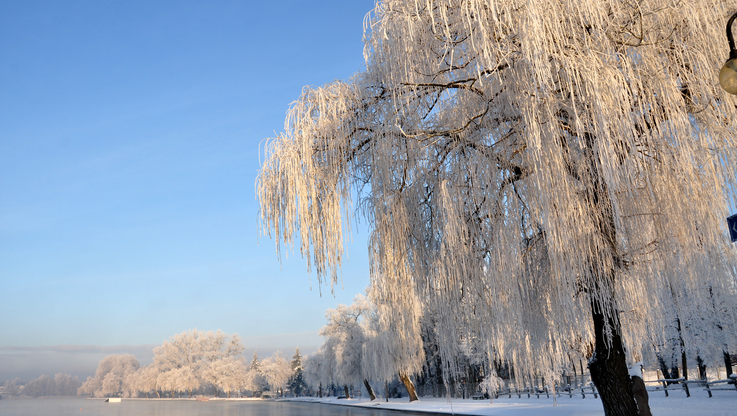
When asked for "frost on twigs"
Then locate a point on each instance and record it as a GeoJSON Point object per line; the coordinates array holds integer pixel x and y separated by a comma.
{"type": "Point", "coordinates": [520, 163]}
{"type": "Point", "coordinates": [305, 178]}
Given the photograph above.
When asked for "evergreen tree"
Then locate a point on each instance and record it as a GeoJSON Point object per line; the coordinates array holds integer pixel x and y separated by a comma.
{"type": "Point", "coordinates": [297, 382]}
{"type": "Point", "coordinates": [297, 361]}
{"type": "Point", "coordinates": [255, 363]}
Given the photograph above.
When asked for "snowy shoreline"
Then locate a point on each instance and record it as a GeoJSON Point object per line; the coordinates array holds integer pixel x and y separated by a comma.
{"type": "Point", "coordinates": [720, 405]}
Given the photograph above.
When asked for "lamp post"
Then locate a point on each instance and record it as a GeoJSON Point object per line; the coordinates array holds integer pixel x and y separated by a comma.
{"type": "Point", "coordinates": [728, 74]}
{"type": "Point", "coordinates": [728, 81]}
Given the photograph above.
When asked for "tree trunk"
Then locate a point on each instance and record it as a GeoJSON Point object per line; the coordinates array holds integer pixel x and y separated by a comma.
{"type": "Point", "coordinates": [608, 366]}
{"type": "Point", "coordinates": [190, 393]}
{"type": "Point", "coordinates": [641, 397]}
{"type": "Point", "coordinates": [409, 385]}
{"type": "Point", "coordinates": [386, 390]}
{"type": "Point", "coordinates": [580, 367]}
{"type": "Point", "coordinates": [347, 395]}
{"type": "Point", "coordinates": [702, 367]}
{"type": "Point", "coordinates": [369, 389]}
{"type": "Point", "coordinates": [663, 367]}
{"type": "Point", "coordinates": [684, 363]}
{"type": "Point", "coordinates": [727, 363]}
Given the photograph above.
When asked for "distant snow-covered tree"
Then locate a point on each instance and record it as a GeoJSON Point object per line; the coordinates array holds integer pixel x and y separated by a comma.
{"type": "Point", "coordinates": [276, 371]}
{"type": "Point", "coordinates": [184, 357]}
{"type": "Point", "coordinates": [228, 374]}
{"type": "Point", "coordinates": [255, 362]}
{"type": "Point", "coordinates": [188, 379]}
{"type": "Point", "coordinates": [42, 386]}
{"type": "Point", "coordinates": [131, 387]}
{"type": "Point", "coordinates": [59, 385]}
{"type": "Point", "coordinates": [110, 377]}
{"type": "Point", "coordinates": [393, 345]}
{"type": "Point", "coordinates": [66, 385]}
{"type": "Point", "coordinates": [166, 381]}
{"type": "Point", "coordinates": [313, 371]}
{"type": "Point", "coordinates": [218, 345]}
{"type": "Point", "coordinates": [145, 380]}
{"type": "Point", "coordinates": [345, 336]}
{"type": "Point", "coordinates": [255, 380]}
{"type": "Point", "coordinates": [296, 381]}
{"type": "Point", "coordinates": [12, 387]}
{"type": "Point", "coordinates": [181, 350]}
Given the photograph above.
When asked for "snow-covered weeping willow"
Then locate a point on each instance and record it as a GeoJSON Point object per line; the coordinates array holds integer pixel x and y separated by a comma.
{"type": "Point", "coordinates": [519, 160]}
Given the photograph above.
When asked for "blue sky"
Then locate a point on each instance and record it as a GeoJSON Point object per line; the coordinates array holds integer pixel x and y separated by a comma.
{"type": "Point", "coordinates": [129, 148]}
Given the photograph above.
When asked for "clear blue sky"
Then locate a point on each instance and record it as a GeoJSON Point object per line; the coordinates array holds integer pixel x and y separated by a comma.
{"type": "Point", "coordinates": [129, 148]}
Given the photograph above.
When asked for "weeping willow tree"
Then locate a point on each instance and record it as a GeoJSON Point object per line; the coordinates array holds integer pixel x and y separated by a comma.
{"type": "Point", "coordinates": [549, 176]}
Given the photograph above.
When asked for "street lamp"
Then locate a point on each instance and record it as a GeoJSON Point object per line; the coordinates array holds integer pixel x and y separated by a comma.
{"type": "Point", "coordinates": [728, 74]}
{"type": "Point", "coordinates": [728, 81]}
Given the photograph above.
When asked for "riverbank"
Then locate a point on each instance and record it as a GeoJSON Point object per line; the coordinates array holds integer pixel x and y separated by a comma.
{"type": "Point", "coordinates": [723, 404]}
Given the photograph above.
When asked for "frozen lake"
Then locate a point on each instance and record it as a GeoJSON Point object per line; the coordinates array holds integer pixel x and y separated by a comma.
{"type": "Point", "coordinates": [96, 407]}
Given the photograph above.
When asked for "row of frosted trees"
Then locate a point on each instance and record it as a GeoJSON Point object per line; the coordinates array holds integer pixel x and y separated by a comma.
{"type": "Point", "coordinates": [359, 354]}
{"type": "Point", "coordinates": [60, 385]}
{"type": "Point", "coordinates": [190, 363]}
{"type": "Point", "coordinates": [362, 352]}
{"type": "Point", "coordinates": [357, 351]}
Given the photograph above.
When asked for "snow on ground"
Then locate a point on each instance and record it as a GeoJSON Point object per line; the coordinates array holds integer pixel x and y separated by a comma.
{"type": "Point", "coordinates": [724, 403]}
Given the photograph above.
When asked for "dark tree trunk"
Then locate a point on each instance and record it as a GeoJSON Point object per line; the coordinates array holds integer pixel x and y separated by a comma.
{"type": "Point", "coordinates": [608, 366]}
{"type": "Point", "coordinates": [410, 387]}
{"type": "Point", "coordinates": [664, 367]}
{"type": "Point", "coordinates": [369, 389]}
{"type": "Point", "coordinates": [641, 397]}
{"type": "Point", "coordinates": [347, 395]}
{"type": "Point", "coordinates": [702, 367]}
{"type": "Point", "coordinates": [684, 363]}
{"type": "Point", "coordinates": [386, 390]}
{"type": "Point", "coordinates": [727, 363]}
